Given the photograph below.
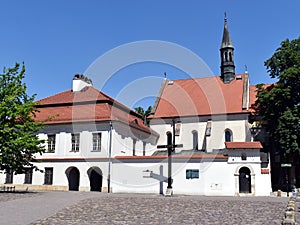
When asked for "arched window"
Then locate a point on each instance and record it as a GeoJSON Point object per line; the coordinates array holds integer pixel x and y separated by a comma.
{"type": "Point", "coordinates": [228, 135]}
{"type": "Point", "coordinates": [195, 140]}
{"type": "Point", "coordinates": [230, 57]}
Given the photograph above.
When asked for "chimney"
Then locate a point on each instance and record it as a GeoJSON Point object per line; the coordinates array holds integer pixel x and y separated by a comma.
{"type": "Point", "coordinates": [80, 82]}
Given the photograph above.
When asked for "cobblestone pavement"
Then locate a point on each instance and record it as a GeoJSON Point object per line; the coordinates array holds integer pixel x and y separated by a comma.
{"type": "Point", "coordinates": [148, 209]}
{"type": "Point", "coordinates": [103, 208]}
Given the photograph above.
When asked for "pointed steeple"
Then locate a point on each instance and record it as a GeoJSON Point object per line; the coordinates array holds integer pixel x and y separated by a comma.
{"type": "Point", "coordinates": [226, 41]}
{"type": "Point", "coordinates": [227, 53]}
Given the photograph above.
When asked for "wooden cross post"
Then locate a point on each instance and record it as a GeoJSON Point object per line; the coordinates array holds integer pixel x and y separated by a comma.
{"type": "Point", "coordinates": [171, 148]}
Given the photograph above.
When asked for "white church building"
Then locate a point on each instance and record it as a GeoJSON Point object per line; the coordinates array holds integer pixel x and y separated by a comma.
{"type": "Point", "coordinates": [95, 143]}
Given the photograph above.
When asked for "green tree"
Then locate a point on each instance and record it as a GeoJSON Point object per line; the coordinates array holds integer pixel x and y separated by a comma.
{"type": "Point", "coordinates": [18, 140]}
{"type": "Point", "coordinates": [279, 104]}
{"type": "Point", "coordinates": [144, 113]}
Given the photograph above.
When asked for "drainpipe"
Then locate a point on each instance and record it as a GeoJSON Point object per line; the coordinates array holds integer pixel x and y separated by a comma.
{"type": "Point", "coordinates": [109, 156]}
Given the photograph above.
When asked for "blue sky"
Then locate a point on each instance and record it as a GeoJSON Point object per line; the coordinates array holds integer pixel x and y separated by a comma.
{"type": "Point", "coordinates": [57, 39]}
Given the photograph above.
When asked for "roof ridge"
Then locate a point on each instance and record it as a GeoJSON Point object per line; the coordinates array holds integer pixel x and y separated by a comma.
{"type": "Point", "coordinates": [198, 78]}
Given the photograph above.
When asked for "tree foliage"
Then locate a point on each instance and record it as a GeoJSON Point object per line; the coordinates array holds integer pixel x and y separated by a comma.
{"type": "Point", "coordinates": [144, 113]}
{"type": "Point", "coordinates": [279, 104]}
{"type": "Point", "coordinates": [18, 140]}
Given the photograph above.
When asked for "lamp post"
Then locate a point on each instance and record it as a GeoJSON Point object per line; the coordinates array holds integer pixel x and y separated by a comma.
{"type": "Point", "coordinates": [171, 148]}
{"type": "Point", "coordinates": [109, 156]}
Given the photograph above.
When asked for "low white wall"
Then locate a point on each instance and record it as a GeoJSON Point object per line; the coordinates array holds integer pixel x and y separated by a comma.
{"type": "Point", "coordinates": [215, 179]}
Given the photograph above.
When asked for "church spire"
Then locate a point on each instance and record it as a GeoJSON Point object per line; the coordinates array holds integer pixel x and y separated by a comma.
{"type": "Point", "coordinates": [227, 53]}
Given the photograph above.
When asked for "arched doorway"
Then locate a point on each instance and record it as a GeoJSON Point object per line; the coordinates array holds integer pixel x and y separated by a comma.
{"type": "Point", "coordinates": [244, 180]}
{"type": "Point", "coordinates": [95, 175]}
{"type": "Point", "coordinates": [73, 178]}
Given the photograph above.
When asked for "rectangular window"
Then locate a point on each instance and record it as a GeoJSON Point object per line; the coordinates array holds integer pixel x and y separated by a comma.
{"type": "Point", "coordinates": [48, 175]}
{"type": "Point", "coordinates": [75, 142]}
{"type": "Point", "coordinates": [28, 176]}
{"type": "Point", "coordinates": [192, 174]}
{"type": "Point", "coordinates": [96, 142]}
{"type": "Point", "coordinates": [51, 143]}
{"type": "Point", "coordinates": [9, 176]}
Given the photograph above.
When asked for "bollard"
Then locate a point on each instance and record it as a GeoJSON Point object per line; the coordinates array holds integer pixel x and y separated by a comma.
{"type": "Point", "coordinates": [289, 216]}
{"type": "Point", "coordinates": [288, 222]}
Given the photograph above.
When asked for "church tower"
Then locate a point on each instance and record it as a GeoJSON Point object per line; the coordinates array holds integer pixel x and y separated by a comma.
{"type": "Point", "coordinates": [227, 56]}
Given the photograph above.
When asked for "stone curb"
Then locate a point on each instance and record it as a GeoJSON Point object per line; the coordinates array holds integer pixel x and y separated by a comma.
{"type": "Point", "coordinates": [289, 215]}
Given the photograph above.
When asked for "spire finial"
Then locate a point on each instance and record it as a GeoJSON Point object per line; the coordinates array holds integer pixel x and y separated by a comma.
{"type": "Point", "coordinates": [165, 74]}
{"type": "Point", "coordinates": [225, 17]}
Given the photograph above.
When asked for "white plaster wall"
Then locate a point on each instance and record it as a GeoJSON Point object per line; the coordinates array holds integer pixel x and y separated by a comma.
{"type": "Point", "coordinates": [120, 145]}
{"type": "Point", "coordinates": [214, 178]}
{"type": "Point", "coordinates": [59, 173]}
{"type": "Point", "coordinates": [214, 141]}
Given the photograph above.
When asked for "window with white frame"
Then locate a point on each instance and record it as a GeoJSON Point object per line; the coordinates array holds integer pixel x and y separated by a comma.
{"type": "Point", "coordinates": [51, 143]}
{"type": "Point", "coordinates": [192, 174]}
{"type": "Point", "coordinates": [96, 142]}
{"type": "Point", "coordinates": [28, 176]}
{"type": "Point", "coordinates": [9, 176]}
{"type": "Point", "coordinates": [48, 178]}
{"type": "Point", "coordinates": [75, 142]}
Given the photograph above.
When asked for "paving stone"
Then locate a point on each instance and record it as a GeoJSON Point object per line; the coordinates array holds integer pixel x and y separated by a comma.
{"type": "Point", "coordinates": [105, 208]}
{"type": "Point", "coordinates": [148, 209]}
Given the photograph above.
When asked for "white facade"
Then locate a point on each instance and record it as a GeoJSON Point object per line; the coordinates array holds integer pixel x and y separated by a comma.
{"type": "Point", "coordinates": [208, 140]}
{"type": "Point", "coordinates": [217, 177]}
{"type": "Point", "coordinates": [123, 157]}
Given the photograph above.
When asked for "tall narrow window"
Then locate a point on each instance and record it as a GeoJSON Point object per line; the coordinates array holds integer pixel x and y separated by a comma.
{"type": "Point", "coordinates": [133, 147]}
{"type": "Point", "coordinates": [75, 142]}
{"type": "Point", "coordinates": [228, 135]}
{"type": "Point", "coordinates": [28, 176]}
{"type": "Point", "coordinates": [48, 175]}
{"type": "Point", "coordinates": [144, 148]}
{"type": "Point", "coordinates": [96, 142]}
{"type": "Point", "coordinates": [230, 57]}
{"type": "Point", "coordinates": [226, 57]}
{"type": "Point", "coordinates": [195, 140]}
{"type": "Point", "coordinates": [51, 143]}
{"type": "Point", "coordinates": [9, 176]}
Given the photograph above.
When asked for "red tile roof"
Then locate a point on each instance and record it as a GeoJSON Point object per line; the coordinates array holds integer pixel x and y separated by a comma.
{"type": "Point", "coordinates": [243, 145]}
{"type": "Point", "coordinates": [201, 96]}
{"type": "Point", "coordinates": [88, 94]}
{"type": "Point", "coordinates": [88, 105]}
{"type": "Point", "coordinates": [253, 93]}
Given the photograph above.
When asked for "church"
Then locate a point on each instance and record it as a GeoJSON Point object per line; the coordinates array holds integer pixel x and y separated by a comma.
{"type": "Point", "coordinates": [201, 140]}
